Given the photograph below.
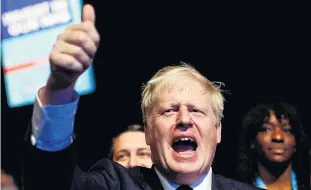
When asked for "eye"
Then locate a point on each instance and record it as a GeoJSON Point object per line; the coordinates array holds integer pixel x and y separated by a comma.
{"type": "Point", "coordinates": [196, 111]}
{"type": "Point", "coordinates": [121, 157]}
{"type": "Point", "coordinates": [265, 129]}
{"type": "Point", "coordinates": [169, 111]}
{"type": "Point", "coordinates": [144, 154]}
{"type": "Point", "coordinates": [287, 130]}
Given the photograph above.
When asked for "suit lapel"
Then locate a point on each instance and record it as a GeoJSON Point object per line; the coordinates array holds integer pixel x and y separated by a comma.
{"type": "Point", "coordinates": [147, 178]}
{"type": "Point", "coordinates": [215, 184]}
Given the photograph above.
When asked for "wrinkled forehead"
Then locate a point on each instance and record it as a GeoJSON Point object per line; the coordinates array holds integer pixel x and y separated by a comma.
{"type": "Point", "coordinates": [186, 89]}
{"type": "Point", "coordinates": [182, 83]}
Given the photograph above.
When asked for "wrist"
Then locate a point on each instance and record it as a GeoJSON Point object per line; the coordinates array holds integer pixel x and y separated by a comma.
{"type": "Point", "coordinates": [55, 93]}
{"type": "Point", "coordinates": [54, 83]}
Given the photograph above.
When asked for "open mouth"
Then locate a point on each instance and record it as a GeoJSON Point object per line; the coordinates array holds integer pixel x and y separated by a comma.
{"type": "Point", "coordinates": [184, 144]}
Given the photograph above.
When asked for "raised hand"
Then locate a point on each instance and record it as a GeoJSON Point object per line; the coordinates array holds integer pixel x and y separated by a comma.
{"type": "Point", "coordinates": [71, 56]}
{"type": "Point", "coordinates": [74, 50]}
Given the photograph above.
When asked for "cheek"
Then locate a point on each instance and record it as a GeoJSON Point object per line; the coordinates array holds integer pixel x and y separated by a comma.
{"type": "Point", "coordinates": [158, 130]}
{"type": "Point", "coordinates": [210, 137]}
{"type": "Point", "coordinates": [262, 140]}
{"type": "Point", "coordinates": [291, 141]}
{"type": "Point", "coordinates": [210, 141]}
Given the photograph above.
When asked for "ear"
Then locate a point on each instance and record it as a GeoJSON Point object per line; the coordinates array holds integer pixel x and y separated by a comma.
{"type": "Point", "coordinates": [218, 132]}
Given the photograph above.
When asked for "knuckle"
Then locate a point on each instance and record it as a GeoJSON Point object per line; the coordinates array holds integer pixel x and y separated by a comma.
{"type": "Point", "coordinates": [70, 63]}
{"type": "Point", "coordinates": [87, 26]}
{"type": "Point", "coordinates": [60, 36]}
{"type": "Point", "coordinates": [81, 37]}
{"type": "Point", "coordinates": [78, 51]}
{"type": "Point", "coordinates": [71, 27]}
{"type": "Point", "coordinates": [97, 39]}
{"type": "Point", "coordinates": [52, 57]}
{"type": "Point", "coordinates": [81, 56]}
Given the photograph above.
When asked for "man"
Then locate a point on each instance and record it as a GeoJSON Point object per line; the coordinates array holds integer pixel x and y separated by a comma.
{"type": "Point", "coordinates": [182, 112]}
{"type": "Point", "coordinates": [129, 148]}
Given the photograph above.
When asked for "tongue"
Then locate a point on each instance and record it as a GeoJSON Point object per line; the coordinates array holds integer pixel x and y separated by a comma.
{"type": "Point", "coordinates": [183, 148]}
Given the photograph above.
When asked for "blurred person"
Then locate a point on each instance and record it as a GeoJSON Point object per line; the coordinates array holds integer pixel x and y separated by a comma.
{"type": "Point", "coordinates": [129, 148]}
{"type": "Point", "coordinates": [182, 112]}
{"type": "Point", "coordinates": [274, 152]}
{"type": "Point", "coordinates": [7, 182]}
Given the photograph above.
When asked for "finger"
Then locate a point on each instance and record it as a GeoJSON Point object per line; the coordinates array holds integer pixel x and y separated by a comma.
{"type": "Point", "coordinates": [76, 51]}
{"type": "Point", "coordinates": [88, 13]}
{"type": "Point", "coordinates": [81, 39]}
{"type": "Point", "coordinates": [88, 28]}
{"type": "Point", "coordinates": [66, 62]}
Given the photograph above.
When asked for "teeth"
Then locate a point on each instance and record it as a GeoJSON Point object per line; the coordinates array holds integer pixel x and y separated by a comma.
{"type": "Point", "coordinates": [184, 139]}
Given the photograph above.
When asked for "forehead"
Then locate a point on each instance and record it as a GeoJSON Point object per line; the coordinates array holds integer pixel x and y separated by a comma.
{"type": "Point", "coordinates": [272, 119]}
{"type": "Point", "coordinates": [184, 90]}
{"type": "Point", "coordinates": [130, 140]}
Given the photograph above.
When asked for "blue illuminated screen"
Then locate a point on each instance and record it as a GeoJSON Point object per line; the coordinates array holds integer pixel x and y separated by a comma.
{"type": "Point", "coordinates": [29, 30]}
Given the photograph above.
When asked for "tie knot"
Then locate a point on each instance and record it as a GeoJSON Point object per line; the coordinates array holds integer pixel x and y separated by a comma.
{"type": "Point", "coordinates": [184, 187]}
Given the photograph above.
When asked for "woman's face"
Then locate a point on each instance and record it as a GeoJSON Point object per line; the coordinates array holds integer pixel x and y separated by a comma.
{"type": "Point", "coordinates": [275, 140]}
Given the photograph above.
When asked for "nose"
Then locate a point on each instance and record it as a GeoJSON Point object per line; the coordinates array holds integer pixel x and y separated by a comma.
{"type": "Point", "coordinates": [184, 118]}
{"type": "Point", "coordinates": [132, 162]}
{"type": "Point", "coordinates": [277, 136]}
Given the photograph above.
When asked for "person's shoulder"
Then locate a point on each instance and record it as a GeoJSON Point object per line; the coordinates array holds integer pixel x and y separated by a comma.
{"type": "Point", "coordinates": [108, 166]}
{"type": "Point", "coordinates": [225, 181]}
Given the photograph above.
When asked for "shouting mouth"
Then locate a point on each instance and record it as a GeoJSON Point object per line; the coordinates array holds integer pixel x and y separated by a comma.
{"type": "Point", "coordinates": [184, 144]}
{"type": "Point", "coordinates": [184, 148]}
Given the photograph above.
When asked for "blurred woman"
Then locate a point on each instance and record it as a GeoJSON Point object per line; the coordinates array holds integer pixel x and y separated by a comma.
{"type": "Point", "coordinates": [274, 152]}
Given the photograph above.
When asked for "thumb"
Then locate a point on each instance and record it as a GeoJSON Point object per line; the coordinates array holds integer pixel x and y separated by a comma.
{"type": "Point", "coordinates": [88, 13]}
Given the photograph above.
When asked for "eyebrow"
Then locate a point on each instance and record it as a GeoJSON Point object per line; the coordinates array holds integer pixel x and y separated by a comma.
{"type": "Point", "coordinates": [126, 151]}
{"type": "Point", "coordinates": [281, 124]}
{"type": "Point", "coordinates": [141, 149]}
{"type": "Point", "coordinates": [122, 151]}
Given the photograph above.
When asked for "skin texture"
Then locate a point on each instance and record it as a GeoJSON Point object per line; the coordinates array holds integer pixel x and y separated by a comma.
{"type": "Point", "coordinates": [130, 149]}
{"type": "Point", "coordinates": [183, 110]}
{"type": "Point", "coordinates": [275, 141]}
{"type": "Point", "coordinates": [275, 145]}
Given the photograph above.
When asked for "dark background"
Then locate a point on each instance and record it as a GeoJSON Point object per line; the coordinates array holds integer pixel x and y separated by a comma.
{"type": "Point", "coordinates": [260, 52]}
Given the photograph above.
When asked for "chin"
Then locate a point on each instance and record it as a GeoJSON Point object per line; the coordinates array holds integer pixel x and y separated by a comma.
{"type": "Point", "coordinates": [187, 173]}
{"type": "Point", "coordinates": [280, 159]}
{"type": "Point", "coordinates": [187, 168]}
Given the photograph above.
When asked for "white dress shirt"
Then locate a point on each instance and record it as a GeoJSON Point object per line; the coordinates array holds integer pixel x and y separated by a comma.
{"type": "Point", "coordinates": [205, 183]}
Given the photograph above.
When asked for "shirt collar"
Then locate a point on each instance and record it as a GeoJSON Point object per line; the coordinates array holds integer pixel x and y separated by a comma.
{"type": "Point", "coordinates": [204, 183]}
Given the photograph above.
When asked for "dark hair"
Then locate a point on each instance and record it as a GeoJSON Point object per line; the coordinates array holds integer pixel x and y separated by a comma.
{"type": "Point", "coordinates": [134, 127]}
{"type": "Point", "coordinates": [254, 118]}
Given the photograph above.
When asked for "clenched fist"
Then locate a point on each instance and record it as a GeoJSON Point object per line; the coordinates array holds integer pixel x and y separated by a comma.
{"type": "Point", "coordinates": [74, 50]}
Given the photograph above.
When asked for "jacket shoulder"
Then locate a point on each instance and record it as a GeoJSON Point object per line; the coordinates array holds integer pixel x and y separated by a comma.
{"type": "Point", "coordinates": [228, 182]}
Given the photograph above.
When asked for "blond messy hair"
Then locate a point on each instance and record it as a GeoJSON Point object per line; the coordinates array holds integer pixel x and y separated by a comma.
{"type": "Point", "coordinates": [166, 77]}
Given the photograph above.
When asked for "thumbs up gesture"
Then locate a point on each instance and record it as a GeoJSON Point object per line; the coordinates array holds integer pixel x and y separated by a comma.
{"type": "Point", "coordinates": [74, 50]}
